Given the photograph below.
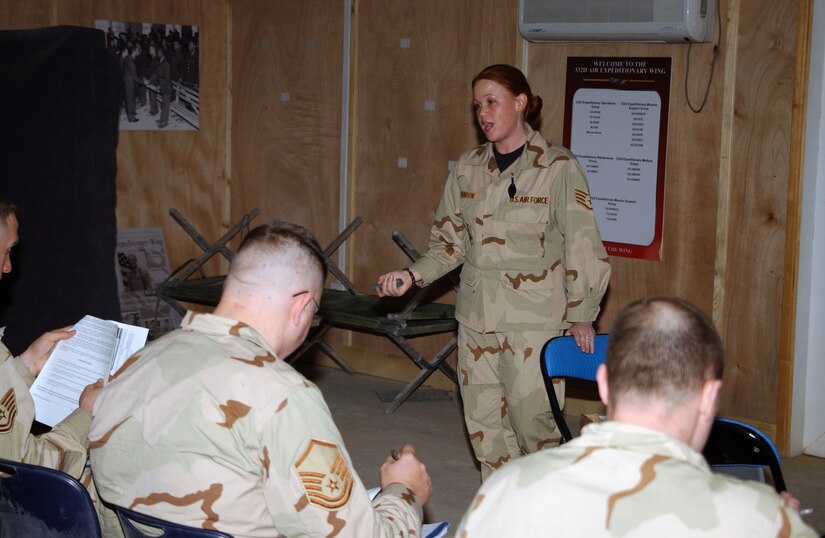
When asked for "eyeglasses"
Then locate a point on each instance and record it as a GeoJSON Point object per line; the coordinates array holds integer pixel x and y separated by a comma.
{"type": "Point", "coordinates": [311, 296]}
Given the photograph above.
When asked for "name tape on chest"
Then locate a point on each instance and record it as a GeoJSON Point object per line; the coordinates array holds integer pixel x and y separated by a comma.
{"type": "Point", "coordinates": [520, 199]}
{"type": "Point", "coordinates": [541, 200]}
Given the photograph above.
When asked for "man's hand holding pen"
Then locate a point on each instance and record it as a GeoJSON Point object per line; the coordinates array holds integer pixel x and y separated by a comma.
{"type": "Point", "coordinates": [403, 467]}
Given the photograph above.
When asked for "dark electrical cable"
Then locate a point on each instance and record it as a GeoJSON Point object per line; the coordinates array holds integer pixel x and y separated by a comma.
{"type": "Point", "coordinates": [716, 49]}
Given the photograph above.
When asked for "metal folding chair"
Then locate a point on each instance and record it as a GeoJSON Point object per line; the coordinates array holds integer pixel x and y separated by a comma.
{"type": "Point", "coordinates": [167, 529]}
{"type": "Point", "coordinates": [562, 358]}
{"type": "Point", "coordinates": [43, 502]}
{"type": "Point", "coordinates": [743, 451]}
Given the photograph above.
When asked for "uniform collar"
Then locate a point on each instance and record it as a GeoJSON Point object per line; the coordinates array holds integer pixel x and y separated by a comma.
{"type": "Point", "coordinates": [623, 436]}
{"type": "Point", "coordinates": [535, 154]}
{"type": "Point", "coordinates": [220, 326]}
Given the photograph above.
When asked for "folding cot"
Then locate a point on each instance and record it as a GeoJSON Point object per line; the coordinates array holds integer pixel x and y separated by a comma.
{"type": "Point", "coordinates": [398, 318]}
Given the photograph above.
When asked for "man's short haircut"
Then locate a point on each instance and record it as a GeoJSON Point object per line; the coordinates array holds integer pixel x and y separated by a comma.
{"type": "Point", "coordinates": [7, 208]}
{"type": "Point", "coordinates": [662, 348]}
{"type": "Point", "coordinates": [277, 236]}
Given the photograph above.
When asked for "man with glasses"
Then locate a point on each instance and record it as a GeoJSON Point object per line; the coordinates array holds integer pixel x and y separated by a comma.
{"type": "Point", "coordinates": [210, 427]}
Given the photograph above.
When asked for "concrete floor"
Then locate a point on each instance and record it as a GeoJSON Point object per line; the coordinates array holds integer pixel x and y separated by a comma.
{"type": "Point", "coordinates": [435, 426]}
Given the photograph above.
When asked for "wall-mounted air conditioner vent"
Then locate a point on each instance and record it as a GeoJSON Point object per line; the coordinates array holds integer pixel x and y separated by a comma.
{"type": "Point", "coordinates": [666, 21]}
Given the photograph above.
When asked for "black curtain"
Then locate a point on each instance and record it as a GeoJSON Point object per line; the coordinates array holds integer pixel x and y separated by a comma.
{"type": "Point", "coordinates": [60, 93]}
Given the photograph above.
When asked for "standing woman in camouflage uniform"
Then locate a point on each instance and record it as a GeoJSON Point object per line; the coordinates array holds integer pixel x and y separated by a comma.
{"type": "Point", "coordinates": [516, 213]}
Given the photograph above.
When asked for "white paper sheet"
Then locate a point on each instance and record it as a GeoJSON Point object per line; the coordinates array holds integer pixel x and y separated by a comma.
{"type": "Point", "coordinates": [84, 358]}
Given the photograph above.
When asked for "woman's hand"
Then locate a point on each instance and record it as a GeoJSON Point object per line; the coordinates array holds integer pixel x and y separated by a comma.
{"type": "Point", "coordinates": [388, 284]}
{"type": "Point", "coordinates": [584, 333]}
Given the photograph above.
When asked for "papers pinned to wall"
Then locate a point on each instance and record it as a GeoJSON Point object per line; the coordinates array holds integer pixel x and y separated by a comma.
{"type": "Point", "coordinates": [142, 265]}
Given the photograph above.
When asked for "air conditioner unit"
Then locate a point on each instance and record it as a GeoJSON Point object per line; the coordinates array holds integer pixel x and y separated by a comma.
{"type": "Point", "coordinates": [665, 21]}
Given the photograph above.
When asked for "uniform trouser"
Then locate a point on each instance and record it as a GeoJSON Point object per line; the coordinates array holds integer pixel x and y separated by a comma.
{"type": "Point", "coordinates": [506, 409]}
{"type": "Point", "coordinates": [109, 522]}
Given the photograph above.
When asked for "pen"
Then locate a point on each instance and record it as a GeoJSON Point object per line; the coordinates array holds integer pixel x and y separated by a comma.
{"type": "Point", "coordinates": [806, 511]}
{"type": "Point", "coordinates": [395, 456]}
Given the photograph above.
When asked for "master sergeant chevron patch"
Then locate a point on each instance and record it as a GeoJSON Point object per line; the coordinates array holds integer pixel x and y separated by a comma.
{"type": "Point", "coordinates": [324, 474]}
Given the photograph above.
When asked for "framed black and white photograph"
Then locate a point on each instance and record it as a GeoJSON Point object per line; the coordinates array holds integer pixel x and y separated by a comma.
{"type": "Point", "coordinates": [160, 66]}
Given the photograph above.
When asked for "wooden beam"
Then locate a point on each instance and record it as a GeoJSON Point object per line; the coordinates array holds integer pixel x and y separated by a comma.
{"type": "Point", "coordinates": [792, 227]}
{"type": "Point", "coordinates": [725, 151]}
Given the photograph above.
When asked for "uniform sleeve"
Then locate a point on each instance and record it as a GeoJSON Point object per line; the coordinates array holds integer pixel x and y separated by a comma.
{"type": "Point", "coordinates": [63, 448]}
{"type": "Point", "coordinates": [22, 371]}
{"type": "Point", "coordinates": [587, 269]}
{"type": "Point", "coordinates": [791, 524]}
{"type": "Point", "coordinates": [448, 236]}
{"type": "Point", "coordinates": [311, 487]}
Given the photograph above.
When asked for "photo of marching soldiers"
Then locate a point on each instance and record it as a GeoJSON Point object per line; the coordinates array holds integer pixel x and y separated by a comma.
{"type": "Point", "coordinates": [160, 65]}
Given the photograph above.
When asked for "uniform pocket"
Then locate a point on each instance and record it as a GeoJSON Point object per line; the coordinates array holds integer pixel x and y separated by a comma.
{"type": "Point", "coordinates": [527, 281]}
{"type": "Point", "coordinates": [470, 275]}
{"type": "Point", "coordinates": [523, 228]}
{"type": "Point", "coordinates": [529, 296]}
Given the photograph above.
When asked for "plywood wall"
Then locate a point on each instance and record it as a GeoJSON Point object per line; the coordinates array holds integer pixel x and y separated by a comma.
{"type": "Point", "coordinates": [159, 170]}
{"type": "Point", "coordinates": [412, 56]}
{"type": "Point", "coordinates": [270, 137]}
{"type": "Point", "coordinates": [16, 15]}
{"type": "Point", "coordinates": [752, 277]}
{"type": "Point", "coordinates": [287, 66]}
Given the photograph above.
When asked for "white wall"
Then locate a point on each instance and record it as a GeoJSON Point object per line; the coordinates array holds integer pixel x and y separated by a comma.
{"type": "Point", "coordinates": [808, 416]}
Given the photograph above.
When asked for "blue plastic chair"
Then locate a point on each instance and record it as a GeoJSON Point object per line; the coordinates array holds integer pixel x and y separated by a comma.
{"type": "Point", "coordinates": [743, 451]}
{"type": "Point", "coordinates": [170, 530]}
{"type": "Point", "coordinates": [43, 502]}
{"type": "Point", "coordinates": [563, 358]}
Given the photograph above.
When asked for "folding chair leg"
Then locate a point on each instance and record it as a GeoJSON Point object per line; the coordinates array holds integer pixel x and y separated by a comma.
{"type": "Point", "coordinates": [340, 361]}
{"type": "Point", "coordinates": [209, 250]}
{"type": "Point", "coordinates": [310, 341]}
{"type": "Point", "coordinates": [179, 308]}
{"type": "Point", "coordinates": [317, 339]}
{"type": "Point", "coordinates": [332, 247]}
{"type": "Point", "coordinates": [421, 362]}
{"type": "Point", "coordinates": [427, 368]}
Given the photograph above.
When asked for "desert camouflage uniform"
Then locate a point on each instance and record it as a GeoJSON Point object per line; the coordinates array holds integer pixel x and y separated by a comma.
{"type": "Point", "coordinates": [63, 448]}
{"type": "Point", "coordinates": [623, 480]}
{"type": "Point", "coordinates": [206, 427]}
{"type": "Point", "coordinates": [532, 265]}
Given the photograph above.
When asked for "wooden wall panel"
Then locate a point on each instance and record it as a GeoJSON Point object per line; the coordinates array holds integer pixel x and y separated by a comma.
{"type": "Point", "coordinates": [449, 43]}
{"type": "Point", "coordinates": [17, 15]}
{"type": "Point", "coordinates": [285, 151]}
{"type": "Point", "coordinates": [160, 170]}
{"type": "Point", "coordinates": [761, 126]}
{"type": "Point", "coordinates": [727, 168]}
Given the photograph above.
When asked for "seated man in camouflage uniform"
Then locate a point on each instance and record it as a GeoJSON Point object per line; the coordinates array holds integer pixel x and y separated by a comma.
{"type": "Point", "coordinates": [209, 427]}
{"type": "Point", "coordinates": [640, 473]}
{"type": "Point", "coordinates": [64, 447]}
